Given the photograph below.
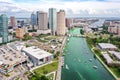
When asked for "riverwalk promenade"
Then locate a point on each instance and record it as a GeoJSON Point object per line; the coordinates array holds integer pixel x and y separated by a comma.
{"type": "Point", "coordinates": [61, 59]}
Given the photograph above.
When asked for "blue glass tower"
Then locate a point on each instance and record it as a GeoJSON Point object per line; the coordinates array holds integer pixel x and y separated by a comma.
{"type": "Point", "coordinates": [33, 20]}
{"type": "Point", "coordinates": [4, 28]}
{"type": "Point", "coordinates": [52, 20]}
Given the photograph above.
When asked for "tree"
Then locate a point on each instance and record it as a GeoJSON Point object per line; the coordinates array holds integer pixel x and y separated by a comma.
{"type": "Point", "coordinates": [43, 78]}
{"type": "Point", "coordinates": [81, 31]}
{"type": "Point", "coordinates": [27, 37]}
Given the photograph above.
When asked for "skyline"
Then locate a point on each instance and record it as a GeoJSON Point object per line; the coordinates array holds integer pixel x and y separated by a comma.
{"type": "Point", "coordinates": [73, 8]}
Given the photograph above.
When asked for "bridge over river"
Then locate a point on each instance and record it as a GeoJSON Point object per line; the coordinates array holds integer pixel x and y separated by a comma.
{"type": "Point", "coordinates": [76, 35]}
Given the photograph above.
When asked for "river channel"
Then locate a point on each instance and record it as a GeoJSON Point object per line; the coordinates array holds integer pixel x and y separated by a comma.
{"type": "Point", "coordinates": [80, 63]}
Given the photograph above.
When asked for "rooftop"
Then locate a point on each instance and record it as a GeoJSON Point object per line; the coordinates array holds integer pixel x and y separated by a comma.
{"type": "Point", "coordinates": [17, 45]}
{"type": "Point", "coordinates": [108, 58]}
{"type": "Point", "coordinates": [116, 54]}
{"type": "Point", "coordinates": [36, 52]}
{"type": "Point", "coordinates": [107, 45]}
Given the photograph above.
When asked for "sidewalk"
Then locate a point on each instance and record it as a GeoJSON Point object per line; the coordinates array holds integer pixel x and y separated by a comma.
{"type": "Point", "coordinates": [54, 72]}
{"type": "Point", "coordinates": [60, 59]}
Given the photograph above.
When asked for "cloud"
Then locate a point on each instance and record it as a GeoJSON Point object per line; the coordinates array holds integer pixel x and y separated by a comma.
{"type": "Point", "coordinates": [72, 7]}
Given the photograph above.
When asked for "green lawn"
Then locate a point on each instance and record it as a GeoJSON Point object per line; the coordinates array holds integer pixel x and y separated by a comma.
{"type": "Point", "coordinates": [105, 36]}
{"type": "Point", "coordinates": [47, 68]}
{"type": "Point", "coordinates": [51, 37]}
{"type": "Point", "coordinates": [43, 41]}
{"type": "Point", "coordinates": [43, 35]}
{"type": "Point", "coordinates": [116, 71]}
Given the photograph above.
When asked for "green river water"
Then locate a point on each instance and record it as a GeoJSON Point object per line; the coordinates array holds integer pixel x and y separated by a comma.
{"type": "Point", "coordinates": [79, 61]}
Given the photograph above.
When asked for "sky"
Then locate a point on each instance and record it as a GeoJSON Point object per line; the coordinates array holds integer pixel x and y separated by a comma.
{"type": "Point", "coordinates": [73, 8]}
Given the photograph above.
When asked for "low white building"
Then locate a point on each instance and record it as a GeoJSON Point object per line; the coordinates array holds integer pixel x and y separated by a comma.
{"type": "Point", "coordinates": [37, 55]}
{"type": "Point", "coordinates": [116, 54]}
{"type": "Point", "coordinates": [107, 58]}
{"type": "Point", "coordinates": [17, 45]}
{"type": "Point", "coordinates": [107, 46]}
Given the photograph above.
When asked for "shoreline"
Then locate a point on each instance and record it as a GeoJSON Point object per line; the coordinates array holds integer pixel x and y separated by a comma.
{"type": "Point", "coordinates": [60, 59]}
{"type": "Point", "coordinates": [106, 67]}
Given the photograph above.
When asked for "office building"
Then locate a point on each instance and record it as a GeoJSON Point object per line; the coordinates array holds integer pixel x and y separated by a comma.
{"type": "Point", "coordinates": [4, 28]}
{"type": "Point", "coordinates": [33, 20]}
{"type": "Point", "coordinates": [52, 20]}
{"type": "Point", "coordinates": [69, 22]}
{"type": "Point", "coordinates": [37, 13]}
{"type": "Point", "coordinates": [12, 21]}
{"type": "Point", "coordinates": [107, 46]}
{"type": "Point", "coordinates": [61, 23]}
{"type": "Point", "coordinates": [20, 33]}
{"type": "Point", "coordinates": [42, 21]}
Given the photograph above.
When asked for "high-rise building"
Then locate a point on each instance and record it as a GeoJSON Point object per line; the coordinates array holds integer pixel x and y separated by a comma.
{"type": "Point", "coordinates": [12, 21]}
{"type": "Point", "coordinates": [61, 29]}
{"type": "Point", "coordinates": [69, 22]}
{"type": "Point", "coordinates": [20, 23]}
{"type": "Point", "coordinates": [4, 28]}
{"type": "Point", "coordinates": [37, 13]}
{"type": "Point", "coordinates": [42, 21]}
{"type": "Point", "coordinates": [53, 20]}
{"type": "Point", "coordinates": [33, 20]}
{"type": "Point", "coordinates": [20, 33]}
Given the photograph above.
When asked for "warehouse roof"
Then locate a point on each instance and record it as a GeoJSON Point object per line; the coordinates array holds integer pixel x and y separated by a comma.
{"type": "Point", "coordinates": [36, 52]}
{"type": "Point", "coordinates": [106, 45]}
{"type": "Point", "coordinates": [108, 58]}
{"type": "Point", "coordinates": [116, 54]}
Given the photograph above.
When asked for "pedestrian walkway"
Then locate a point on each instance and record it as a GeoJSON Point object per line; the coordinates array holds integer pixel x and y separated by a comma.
{"type": "Point", "coordinates": [61, 60]}
{"type": "Point", "coordinates": [54, 72]}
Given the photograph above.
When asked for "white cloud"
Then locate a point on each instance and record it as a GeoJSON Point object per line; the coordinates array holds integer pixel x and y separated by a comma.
{"type": "Point", "coordinates": [93, 8]}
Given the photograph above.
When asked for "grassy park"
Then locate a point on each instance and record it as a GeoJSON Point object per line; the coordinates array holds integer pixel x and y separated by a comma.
{"type": "Point", "coordinates": [47, 68]}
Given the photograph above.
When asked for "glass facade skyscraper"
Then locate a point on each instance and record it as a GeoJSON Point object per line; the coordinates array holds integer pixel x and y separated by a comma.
{"type": "Point", "coordinates": [52, 20]}
{"type": "Point", "coordinates": [33, 20]}
{"type": "Point", "coordinates": [4, 28]}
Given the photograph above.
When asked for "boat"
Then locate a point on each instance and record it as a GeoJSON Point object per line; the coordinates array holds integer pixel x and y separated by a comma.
{"type": "Point", "coordinates": [67, 66]}
{"type": "Point", "coordinates": [67, 39]}
{"type": "Point", "coordinates": [63, 54]}
{"type": "Point", "coordinates": [69, 35]}
{"type": "Point", "coordinates": [95, 67]}
{"type": "Point", "coordinates": [90, 60]}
